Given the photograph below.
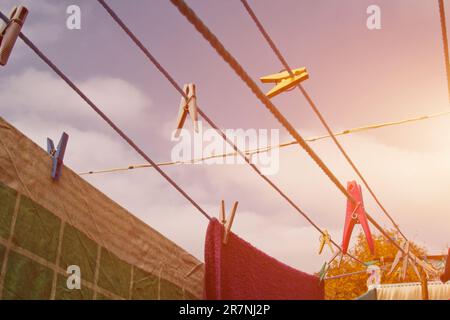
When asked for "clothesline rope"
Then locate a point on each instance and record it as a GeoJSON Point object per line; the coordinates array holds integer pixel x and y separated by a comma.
{"type": "Point", "coordinates": [161, 69]}
{"type": "Point", "coordinates": [215, 43]}
{"type": "Point", "coordinates": [272, 108]}
{"type": "Point", "coordinates": [445, 43]}
{"type": "Point", "coordinates": [72, 85]}
{"type": "Point", "coordinates": [316, 110]}
{"type": "Point", "coordinates": [269, 148]}
{"type": "Point", "coordinates": [350, 274]}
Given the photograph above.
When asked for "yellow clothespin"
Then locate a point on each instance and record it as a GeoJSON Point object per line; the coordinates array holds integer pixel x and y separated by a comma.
{"type": "Point", "coordinates": [284, 81]}
{"type": "Point", "coordinates": [10, 32]}
{"type": "Point", "coordinates": [229, 223]}
{"type": "Point", "coordinates": [325, 238]}
{"type": "Point", "coordinates": [188, 105]}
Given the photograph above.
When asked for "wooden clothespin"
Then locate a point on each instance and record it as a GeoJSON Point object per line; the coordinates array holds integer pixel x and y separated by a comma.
{"type": "Point", "coordinates": [325, 239]}
{"type": "Point", "coordinates": [223, 218]}
{"type": "Point", "coordinates": [409, 257]}
{"type": "Point", "coordinates": [341, 255]}
{"type": "Point", "coordinates": [356, 214]}
{"type": "Point", "coordinates": [405, 260]}
{"type": "Point", "coordinates": [424, 285]}
{"type": "Point", "coordinates": [11, 31]}
{"type": "Point", "coordinates": [416, 271]}
{"type": "Point", "coordinates": [57, 155]}
{"type": "Point", "coordinates": [427, 268]}
{"type": "Point", "coordinates": [229, 223]}
{"type": "Point", "coordinates": [284, 81]}
{"type": "Point", "coordinates": [401, 256]}
{"type": "Point", "coordinates": [382, 262]}
{"type": "Point", "coordinates": [188, 105]}
{"type": "Point", "coordinates": [398, 257]}
{"type": "Point", "coordinates": [446, 275]}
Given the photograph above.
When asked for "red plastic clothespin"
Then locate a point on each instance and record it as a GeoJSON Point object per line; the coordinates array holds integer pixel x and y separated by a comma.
{"type": "Point", "coordinates": [356, 214]}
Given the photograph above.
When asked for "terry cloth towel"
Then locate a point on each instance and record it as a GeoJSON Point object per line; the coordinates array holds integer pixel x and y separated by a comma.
{"type": "Point", "coordinates": [239, 271]}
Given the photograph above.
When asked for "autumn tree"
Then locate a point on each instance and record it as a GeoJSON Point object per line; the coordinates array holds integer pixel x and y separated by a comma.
{"type": "Point", "coordinates": [351, 287]}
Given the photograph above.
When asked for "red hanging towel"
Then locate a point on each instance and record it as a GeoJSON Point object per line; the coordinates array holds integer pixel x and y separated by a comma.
{"type": "Point", "coordinates": [239, 271]}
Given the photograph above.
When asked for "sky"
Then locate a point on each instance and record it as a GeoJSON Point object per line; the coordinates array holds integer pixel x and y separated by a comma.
{"type": "Point", "coordinates": [357, 77]}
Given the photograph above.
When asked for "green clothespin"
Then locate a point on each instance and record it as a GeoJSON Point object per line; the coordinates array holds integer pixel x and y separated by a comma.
{"type": "Point", "coordinates": [323, 271]}
{"type": "Point", "coordinates": [370, 263]}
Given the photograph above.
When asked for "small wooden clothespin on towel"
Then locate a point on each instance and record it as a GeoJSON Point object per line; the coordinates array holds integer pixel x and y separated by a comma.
{"type": "Point", "coordinates": [188, 105]}
{"type": "Point", "coordinates": [284, 81]}
{"type": "Point", "coordinates": [57, 155]}
{"type": "Point", "coordinates": [225, 223]}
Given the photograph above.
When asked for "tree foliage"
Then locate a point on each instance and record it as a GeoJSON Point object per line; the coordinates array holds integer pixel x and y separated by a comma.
{"type": "Point", "coordinates": [351, 287]}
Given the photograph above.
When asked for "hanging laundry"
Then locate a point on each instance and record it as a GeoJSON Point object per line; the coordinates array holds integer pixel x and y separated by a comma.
{"type": "Point", "coordinates": [407, 291]}
{"type": "Point", "coordinates": [237, 270]}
